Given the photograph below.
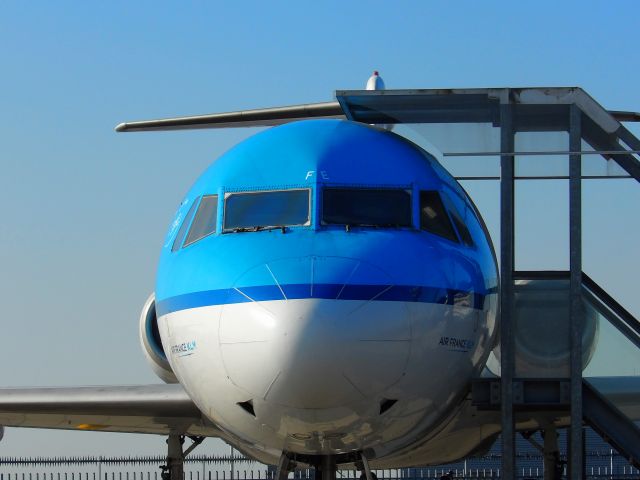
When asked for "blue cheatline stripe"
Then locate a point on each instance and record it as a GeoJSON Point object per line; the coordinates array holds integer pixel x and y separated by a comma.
{"type": "Point", "coordinates": [330, 291]}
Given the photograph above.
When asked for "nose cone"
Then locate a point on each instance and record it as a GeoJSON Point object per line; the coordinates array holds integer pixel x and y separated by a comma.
{"type": "Point", "coordinates": [311, 333]}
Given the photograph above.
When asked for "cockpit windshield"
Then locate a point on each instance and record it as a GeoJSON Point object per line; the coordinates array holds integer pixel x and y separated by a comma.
{"type": "Point", "coordinates": [263, 210]}
{"type": "Point", "coordinates": [204, 223]}
{"type": "Point", "coordinates": [367, 207]}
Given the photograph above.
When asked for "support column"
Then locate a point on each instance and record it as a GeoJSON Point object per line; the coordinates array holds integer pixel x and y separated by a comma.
{"type": "Point", "coordinates": [507, 260]}
{"type": "Point", "coordinates": [576, 309]}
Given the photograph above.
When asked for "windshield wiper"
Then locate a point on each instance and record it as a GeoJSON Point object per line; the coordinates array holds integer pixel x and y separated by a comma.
{"type": "Point", "coordinates": [260, 228]}
{"type": "Point", "coordinates": [349, 226]}
{"type": "Point", "coordinates": [282, 228]}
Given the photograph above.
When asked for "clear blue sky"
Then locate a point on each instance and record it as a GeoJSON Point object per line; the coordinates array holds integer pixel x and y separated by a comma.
{"type": "Point", "coordinates": [85, 210]}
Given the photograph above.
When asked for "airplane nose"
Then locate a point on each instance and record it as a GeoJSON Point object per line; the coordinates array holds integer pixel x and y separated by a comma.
{"type": "Point", "coordinates": [311, 334]}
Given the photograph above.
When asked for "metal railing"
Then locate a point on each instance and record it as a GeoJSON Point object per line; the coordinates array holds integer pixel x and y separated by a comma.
{"type": "Point", "coordinates": [599, 465]}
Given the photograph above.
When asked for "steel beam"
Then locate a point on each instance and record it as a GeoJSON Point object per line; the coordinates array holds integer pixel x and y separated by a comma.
{"type": "Point", "coordinates": [576, 308]}
{"type": "Point", "coordinates": [507, 260]}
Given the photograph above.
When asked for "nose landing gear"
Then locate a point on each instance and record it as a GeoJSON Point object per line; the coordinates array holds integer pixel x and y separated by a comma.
{"type": "Point", "coordinates": [366, 471]}
{"type": "Point", "coordinates": [325, 465]}
{"type": "Point", "coordinates": [326, 468]}
{"type": "Point", "coordinates": [553, 464]}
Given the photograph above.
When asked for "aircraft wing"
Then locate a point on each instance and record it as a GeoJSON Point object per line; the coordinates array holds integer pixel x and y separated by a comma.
{"type": "Point", "coordinates": [155, 409]}
{"type": "Point", "coordinates": [623, 392]}
{"type": "Point", "coordinates": [263, 117]}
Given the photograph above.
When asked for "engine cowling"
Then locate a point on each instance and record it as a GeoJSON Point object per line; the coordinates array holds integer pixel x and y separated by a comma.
{"type": "Point", "coordinates": [151, 342]}
{"type": "Point", "coordinates": [541, 330]}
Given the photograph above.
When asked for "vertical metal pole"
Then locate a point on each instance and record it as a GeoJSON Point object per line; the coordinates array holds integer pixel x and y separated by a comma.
{"type": "Point", "coordinates": [507, 260]}
{"type": "Point", "coordinates": [232, 464]}
{"type": "Point", "coordinates": [576, 463]}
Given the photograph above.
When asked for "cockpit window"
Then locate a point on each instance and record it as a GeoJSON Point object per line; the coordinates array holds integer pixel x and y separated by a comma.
{"type": "Point", "coordinates": [204, 222]}
{"type": "Point", "coordinates": [263, 210]}
{"type": "Point", "coordinates": [460, 222]}
{"type": "Point", "coordinates": [366, 207]}
{"type": "Point", "coordinates": [177, 243]}
{"type": "Point", "coordinates": [433, 216]}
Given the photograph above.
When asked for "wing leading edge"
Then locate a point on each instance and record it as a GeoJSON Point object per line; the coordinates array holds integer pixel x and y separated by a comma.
{"type": "Point", "coordinates": [158, 409]}
{"type": "Point", "coordinates": [264, 117]}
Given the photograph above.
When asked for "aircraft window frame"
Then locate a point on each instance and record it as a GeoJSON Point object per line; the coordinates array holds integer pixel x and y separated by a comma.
{"type": "Point", "coordinates": [258, 228]}
{"type": "Point", "coordinates": [458, 222]}
{"type": "Point", "coordinates": [409, 224]}
{"type": "Point", "coordinates": [184, 226]}
{"type": "Point", "coordinates": [200, 215]}
{"type": "Point", "coordinates": [441, 211]}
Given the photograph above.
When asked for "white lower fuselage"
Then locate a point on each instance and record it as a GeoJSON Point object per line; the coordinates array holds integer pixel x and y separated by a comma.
{"type": "Point", "coordinates": [318, 372]}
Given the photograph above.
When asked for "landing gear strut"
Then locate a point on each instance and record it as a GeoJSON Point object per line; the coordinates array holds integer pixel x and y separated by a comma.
{"type": "Point", "coordinates": [365, 468]}
{"type": "Point", "coordinates": [326, 469]}
{"type": "Point", "coordinates": [174, 469]}
{"type": "Point", "coordinates": [285, 465]}
{"type": "Point", "coordinates": [326, 465]}
{"type": "Point", "coordinates": [553, 466]}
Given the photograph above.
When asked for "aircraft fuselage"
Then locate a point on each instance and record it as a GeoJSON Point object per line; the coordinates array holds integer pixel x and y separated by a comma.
{"type": "Point", "coordinates": [326, 288]}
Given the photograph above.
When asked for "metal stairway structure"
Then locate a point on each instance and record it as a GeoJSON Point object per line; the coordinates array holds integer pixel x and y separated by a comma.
{"type": "Point", "coordinates": [447, 117]}
{"type": "Point", "coordinates": [611, 424]}
{"type": "Point", "coordinates": [608, 403]}
{"type": "Point", "coordinates": [599, 411]}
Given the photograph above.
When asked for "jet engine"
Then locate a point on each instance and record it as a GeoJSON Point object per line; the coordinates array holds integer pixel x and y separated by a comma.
{"type": "Point", "coordinates": [541, 329]}
{"type": "Point", "coordinates": [151, 342]}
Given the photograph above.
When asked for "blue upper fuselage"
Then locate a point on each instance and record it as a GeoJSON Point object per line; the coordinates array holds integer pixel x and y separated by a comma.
{"type": "Point", "coordinates": [411, 264]}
